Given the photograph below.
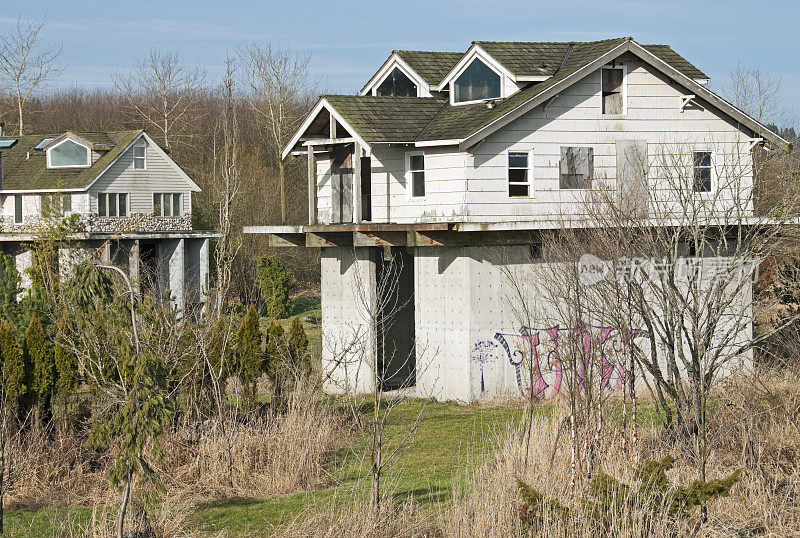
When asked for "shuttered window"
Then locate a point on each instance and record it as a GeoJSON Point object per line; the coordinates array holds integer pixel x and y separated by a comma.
{"type": "Point", "coordinates": [576, 168]}
{"type": "Point", "coordinates": [702, 171]}
{"type": "Point", "coordinates": [612, 90]}
{"type": "Point", "coordinates": [518, 174]}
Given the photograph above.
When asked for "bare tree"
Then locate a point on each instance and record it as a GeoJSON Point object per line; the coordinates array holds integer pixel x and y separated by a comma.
{"type": "Point", "coordinates": [756, 92]}
{"type": "Point", "coordinates": [25, 64]}
{"type": "Point", "coordinates": [279, 82]}
{"type": "Point", "coordinates": [163, 91]}
{"type": "Point", "coordinates": [228, 191]}
{"type": "Point", "coordinates": [364, 362]}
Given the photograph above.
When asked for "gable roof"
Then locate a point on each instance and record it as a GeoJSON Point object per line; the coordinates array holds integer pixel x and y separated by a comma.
{"type": "Point", "coordinates": [25, 169]}
{"type": "Point", "coordinates": [430, 65]}
{"type": "Point", "coordinates": [394, 119]}
{"type": "Point", "coordinates": [542, 58]}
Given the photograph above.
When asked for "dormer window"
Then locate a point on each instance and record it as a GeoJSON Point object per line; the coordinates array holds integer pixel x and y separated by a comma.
{"type": "Point", "coordinates": [68, 154]}
{"type": "Point", "coordinates": [478, 82]}
{"type": "Point", "coordinates": [397, 84]}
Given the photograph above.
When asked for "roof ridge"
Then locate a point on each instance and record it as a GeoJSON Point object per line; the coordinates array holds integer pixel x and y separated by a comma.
{"type": "Point", "coordinates": [429, 51]}
{"type": "Point", "coordinates": [557, 42]}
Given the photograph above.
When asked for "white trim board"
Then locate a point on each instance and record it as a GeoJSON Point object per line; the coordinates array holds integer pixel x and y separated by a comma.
{"type": "Point", "coordinates": [323, 103]}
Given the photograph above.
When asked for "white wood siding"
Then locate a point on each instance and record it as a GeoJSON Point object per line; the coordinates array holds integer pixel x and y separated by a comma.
{"type": "Point", "coordinates": [474, 187]}
{"type": "Point", "coordinates": [159, 176]}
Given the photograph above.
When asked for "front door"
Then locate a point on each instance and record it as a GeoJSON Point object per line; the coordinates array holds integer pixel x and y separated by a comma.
{"type": "Point", "coordinates": [341, 187]}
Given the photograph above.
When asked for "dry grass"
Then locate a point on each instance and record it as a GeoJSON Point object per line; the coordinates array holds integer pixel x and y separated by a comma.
{"type": "Point", "coordinates": [270, 454]}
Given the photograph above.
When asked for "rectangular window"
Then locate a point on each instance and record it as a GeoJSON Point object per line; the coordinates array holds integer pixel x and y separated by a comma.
{"type": "Point", "coordinates": [167, 204]}
{"type": "Point", "coordinates": [518, 174]}
{"type": "Point", "coordinates": [416, 175]}
{"type": "Point", "coordinates": [612, 90]}
{"type": "Point", "coordinates": [18, 208]}
{"type": "Point", "coordinates": [576, 168]}
{"type": "Point", "coordinates": [139, 156]}
{"type": "Point", "coordinates": [112, 204]}
{"type": "Point", "coordinates": [702, 171]}
{"type": "Point", "coordinates": [55, 205]}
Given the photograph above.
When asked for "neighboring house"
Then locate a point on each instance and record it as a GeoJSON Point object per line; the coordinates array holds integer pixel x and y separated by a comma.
{"type": "Point", "coordinates": [449, 158]}
{"type": "Point", "coordinates": [119, 196]}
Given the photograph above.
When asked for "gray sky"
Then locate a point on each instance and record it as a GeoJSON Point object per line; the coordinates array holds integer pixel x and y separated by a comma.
{"type": "Point", "coordinates": [349, 39]}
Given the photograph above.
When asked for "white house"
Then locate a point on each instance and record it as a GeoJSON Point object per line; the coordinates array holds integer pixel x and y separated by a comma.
{"type": "Point", "coordinates": [447, 158]}
{"type": "Point", "coordinates": [117, 195]}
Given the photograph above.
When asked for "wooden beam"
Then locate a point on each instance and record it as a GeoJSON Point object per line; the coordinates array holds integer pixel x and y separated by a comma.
{"type": "Point", "coordinates": [312, 187]}
{"type": "Point", "coordinates": [436, 238]}
{"type": "Point", "coordinates": [380, 239]}
{"type": "Point", "coordinates": [357, 183]}
{"type": "Point", "coordinates": [334, 239]}
{"type": "Point", "coordinates": [287, 240]}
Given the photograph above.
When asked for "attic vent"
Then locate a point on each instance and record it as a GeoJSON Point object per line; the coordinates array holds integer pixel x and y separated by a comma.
{"type": "Point", "coordinates": [40, 146]}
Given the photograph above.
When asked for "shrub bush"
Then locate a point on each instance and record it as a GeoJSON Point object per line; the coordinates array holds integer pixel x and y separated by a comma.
{"type": "Point", "coordinates": [274, 283]}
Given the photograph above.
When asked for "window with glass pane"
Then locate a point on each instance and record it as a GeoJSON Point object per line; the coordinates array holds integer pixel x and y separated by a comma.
{"type": "Point", "coordinates": [123, 204]}
{"type": "Point", "coordinates": [68, 153]}
{"type": "Point", "coordinates": [477, 82]}
{"type": "Point", "coordinates": [397, 84]}
{"type": "Point", "coordinates": [157, 204]}
{"type": "Point", "coordinates": [416, 170]}
{"type": "Point", "coordinates": [139, 158]}
{"type": "Point", "coordinates": [518, 183]}
{"type": "Point", "coordinates": [176, 205]}
{"type": "Point", "coordinates": [112, 204]}
{"type": "Point", "coordinates": [702, 171]}
{"type": "Point", "coordinates": [17, 208]}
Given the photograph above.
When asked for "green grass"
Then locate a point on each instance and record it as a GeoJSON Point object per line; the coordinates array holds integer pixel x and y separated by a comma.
{"type": "Point", "coordinates": [450, 438]}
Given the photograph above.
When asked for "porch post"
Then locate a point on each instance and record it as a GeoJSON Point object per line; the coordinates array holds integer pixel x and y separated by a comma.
{"type": "Point", "coordinates": [357, 183]}
{"type": "Point", "coordinates": [312, 187]}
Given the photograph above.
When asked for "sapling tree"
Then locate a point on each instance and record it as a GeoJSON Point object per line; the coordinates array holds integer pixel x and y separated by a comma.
{"type": "Point", "coordinates": [278, 364]}
{"type": "Point", "coordinates": [275, 283]}
{"type": "Point", "coordinates": [249, 353]}
{"type": "Point", "coordinates": [40, 354]}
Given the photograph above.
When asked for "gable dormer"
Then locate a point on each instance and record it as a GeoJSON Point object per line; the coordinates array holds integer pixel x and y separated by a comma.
{"type": "Point", "coordinates": [396, 77]}
{"type": "Point", "coordinates": [68, 151]}
{"type": "Point", "coordinates": [480, 77]}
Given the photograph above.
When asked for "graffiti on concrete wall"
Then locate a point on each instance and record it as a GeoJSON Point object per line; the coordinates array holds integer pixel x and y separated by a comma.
{"type": "Point", "coordinates": [537, 356]}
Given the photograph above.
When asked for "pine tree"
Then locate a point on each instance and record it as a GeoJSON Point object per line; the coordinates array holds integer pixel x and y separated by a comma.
{"type": "Point", "coordinates": [16, 370]}
{"type": "Point", "coordinates": [66, 366]}
{"type": "Point", "coordinates": [39, 354]}
{"type": "Point", "coordinates": [248, 349]}
{"type": "Point", "coordinates": [298, 347]}
{"type": "Point", "coordinates": [276, 364]}
{"type": "Point", "coordinates": [275, 283]}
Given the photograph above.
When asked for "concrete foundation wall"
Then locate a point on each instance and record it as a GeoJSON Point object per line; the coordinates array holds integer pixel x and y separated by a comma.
{"type": "Point", "coordinates": [348, 324]}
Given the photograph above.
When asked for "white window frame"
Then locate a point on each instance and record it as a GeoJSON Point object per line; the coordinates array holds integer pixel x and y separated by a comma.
{"type": "Point", "coordinates": [374, 90]}
{"type": "Point", "coordinates": [88, 155]}
{"type": "Point", "coordinates": [160, 214]}
{"type": "Point", "coordinates": [624, 90]}
{"type": "Point", "coordinates": [488, 63]}
{"type": "Point", "coordinates": [410, 178]}
{"type": "Point", "coordinates": [713, 170]}
{"type": "Point", "coordinates": [141, 143]}
{"type": "Point", "coordinates": [118, 215]}
{"type": "Point", "coordinates": [53, 198]}
{"type": "Point", "coordinates": [529, 182]}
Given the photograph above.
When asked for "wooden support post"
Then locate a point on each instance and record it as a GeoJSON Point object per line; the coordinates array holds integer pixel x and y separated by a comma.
{"type": "Point", "coordinates": [312, 187]}
{"type": "Point", "coordinates": [356, 183]}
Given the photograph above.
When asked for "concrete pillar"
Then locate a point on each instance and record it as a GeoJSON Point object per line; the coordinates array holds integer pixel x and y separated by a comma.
{"type": "Point", "coordinates": [174, 250]}
{"type": "Point", "coordinates": [203, 277]}
{"type": "Point", "coordinates": [134, 266]}
{"type": "Point", "coordinates": [348, 334]}
{"type": "Point", "coordinates": [24, 261]}
{"type": "Point", "coordinates": [71, 256]}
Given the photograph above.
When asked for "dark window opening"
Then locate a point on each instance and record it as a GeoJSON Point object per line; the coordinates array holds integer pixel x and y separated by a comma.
{"type": "Point", "coordinates": [366, 188]}
{"type": "Point", "coordinates": [397, 84]}
{"type": "Point", "coordinates": [416, 169]}
{"type": "Point", "coordinates": [576, 168]}
{"type": "Point", "coordinates": [612, 90]}
{"type": "Point", "coordinates": [702, 171]}
{"type": "Point", "coordinates": [18, 208]}
{"type": "Point", "coordinates": [477, 82]}
{"type": "Point", "coordinates": [518, 179]}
